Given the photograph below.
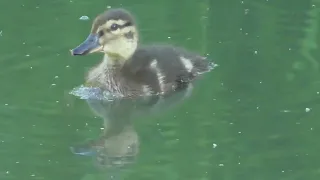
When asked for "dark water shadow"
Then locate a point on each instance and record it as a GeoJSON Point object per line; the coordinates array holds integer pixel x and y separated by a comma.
{"type": "Point", "coordinates": [118, 145]}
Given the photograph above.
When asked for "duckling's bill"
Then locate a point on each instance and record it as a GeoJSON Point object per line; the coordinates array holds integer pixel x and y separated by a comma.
{"type": "Point", "coordinates": [90, 45]}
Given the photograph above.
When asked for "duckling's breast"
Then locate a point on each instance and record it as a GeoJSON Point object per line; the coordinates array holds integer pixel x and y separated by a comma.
{"type": "Point", "coordinates": [112, 81]}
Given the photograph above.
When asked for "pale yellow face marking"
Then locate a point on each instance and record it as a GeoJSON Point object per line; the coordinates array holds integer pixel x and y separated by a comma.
{"type": "Point", "coordinates": [115, 43]}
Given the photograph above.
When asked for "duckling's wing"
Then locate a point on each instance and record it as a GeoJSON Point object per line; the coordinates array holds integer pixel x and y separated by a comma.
{"type": "Point", "coordinates": [164, 69]}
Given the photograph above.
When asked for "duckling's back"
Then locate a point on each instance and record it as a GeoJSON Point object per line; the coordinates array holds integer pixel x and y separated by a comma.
{"type": "Point", "coordinates": [163, 69]}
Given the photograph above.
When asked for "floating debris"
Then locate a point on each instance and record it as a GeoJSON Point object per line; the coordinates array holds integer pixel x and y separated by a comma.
{"type": "Point", "coordinates": [84, 18]}
{"type": "Point", "coordinates": [214, 145]}
{"type": "Point", "coordinates": [0, 33]}
{"type": "Point", "coordinates": [308, 109]}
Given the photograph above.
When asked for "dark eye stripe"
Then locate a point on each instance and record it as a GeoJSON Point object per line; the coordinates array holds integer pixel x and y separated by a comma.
{"type": "Point", "coordinates": [127, 24]}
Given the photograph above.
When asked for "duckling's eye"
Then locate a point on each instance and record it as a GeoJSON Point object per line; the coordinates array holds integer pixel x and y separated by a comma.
{"type": "Point", "coordinates": [101, 33]}
{"type": "Point", "coordinates": [114, 27]}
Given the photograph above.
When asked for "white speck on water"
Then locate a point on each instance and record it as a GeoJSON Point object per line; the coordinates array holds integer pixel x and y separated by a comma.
{"type": "Point", "coordinates": [231, 123]}
{"type": "Point", "coordinates": [24, 43]}
{"type": "Point", "coordinates": [7, 172]}
{"type": "Point", "coordinates": [282, 171]}
{"type": "Point", "coordinates": [27, 55]}
{"type": "Point", "coordinates": [246, 11]}
{"type": "Point", "coordinates": [221, 165]}
{"type": "Point", "coordinates": [1, 33]}
{"type": "Point", "coordinates": [177, 139]}
{"type": "Point", "coordinates": [40, 144]}
{"type": "Point", "coordinates": [22, 137]}
{"type": "Point", "coordinates": [32, 175]}
{"type": "Point", "coordinates": [318, 92]}
{"type": "Point", "coordinates": [257, 107]}
{"type": "Point", "coordinates": [56, 77]}
{"type": "Point", "coordinates": [313, 5]}
{"type": "Point", "coordinates": [67, 66]}
{"type": "Point", "coordinates": [108, 7]}
{"type": "Point", "coordinates": [169, 37]}
{"type": "Point", "coordinates": [311, 129]}
{"type": "Point", "coordinates": [2, 141]}
{"type": "Point", "coordinates": [255, 52]}
{"type": "Point", "coordinates": [242, 2]}
{"type": "Point", "coordinates": [246, 33]}
{"type": "Point", "coordinates": [30, 67]}
{"type": "Point", "coordinates": [86, 124]}
{"type": "Point", "coordinates": [34, 125]}
{"type": "Point", "coordinates": [6, 104]}
{"type": "Point", "coordinates": [57, 101]}
{"type": "Point", "coordinates": [17, 162]}
{"type": "Point", "coordinates": [308, 109]}
{"type": "Point", "coordinates": [289, 49]}
{"type": "Point", "coordinates": [240, 29]}
{"type": "Point", "coordinates": [102, 128]}
{"type": "Point", "coordinates": [285, 111]}
{"type": "Point", "coordinates": [84, 18]}
{"type": "Point", "coordinates": [158, 124]}
{"type": "Point", "coordinates": [53, 84]}
{"type": "Point", "coordinates": [37, 7]}
{"type": "Point", "coordinates": [214, 145]}
{"type": "Point", "coordinates": [239, 132]}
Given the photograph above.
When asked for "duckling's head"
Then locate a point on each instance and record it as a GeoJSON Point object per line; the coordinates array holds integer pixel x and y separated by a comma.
{"type": "Point", "coordinates": [114, 33]}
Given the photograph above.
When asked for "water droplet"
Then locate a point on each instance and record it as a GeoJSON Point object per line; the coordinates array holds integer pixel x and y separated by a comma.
{"type": "Point", "coordinates": [84, 18]}
{"type": "Point", "coordinates": [214, 145]}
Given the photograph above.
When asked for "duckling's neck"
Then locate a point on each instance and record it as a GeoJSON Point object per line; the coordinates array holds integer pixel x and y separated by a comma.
{"type": "Point", "coordinates": [120, 51]}
{"type": "Point", "coordinates": [111, 59]}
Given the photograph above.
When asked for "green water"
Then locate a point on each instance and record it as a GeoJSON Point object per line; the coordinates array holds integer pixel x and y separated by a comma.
{"type": "Point", "coordinates": [253, 118]}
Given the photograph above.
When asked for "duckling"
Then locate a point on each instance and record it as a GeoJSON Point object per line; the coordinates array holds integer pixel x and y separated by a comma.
{"type": "Point", "coordinates": [130, 70]}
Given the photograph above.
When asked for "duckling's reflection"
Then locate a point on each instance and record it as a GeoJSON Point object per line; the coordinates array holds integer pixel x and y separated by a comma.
{"type": "Point", "coordinates": [119, 143]}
